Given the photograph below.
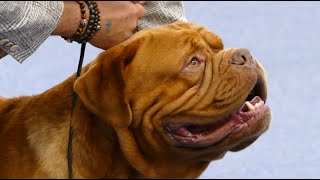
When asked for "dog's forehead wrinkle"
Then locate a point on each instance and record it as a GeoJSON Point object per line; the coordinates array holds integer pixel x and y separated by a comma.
{"type": "Point", "coordinates": [213, 40]}
{"type": "Point", "coordinates": [197, 42]}
{"type": "Point", "coordinates": [208, 35]}
{"type": "Point", "coordinates": [206, 40]}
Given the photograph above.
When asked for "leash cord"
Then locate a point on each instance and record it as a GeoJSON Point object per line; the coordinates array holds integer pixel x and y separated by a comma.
{"type": "Point", "coordinates": [74, 101]}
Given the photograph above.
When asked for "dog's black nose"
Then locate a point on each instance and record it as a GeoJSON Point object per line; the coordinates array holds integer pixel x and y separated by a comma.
{"type": "Point", "coordinates": [240, 57]}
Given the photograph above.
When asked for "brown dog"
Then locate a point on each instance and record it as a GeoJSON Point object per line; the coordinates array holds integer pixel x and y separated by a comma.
{"type": "Point", "coordinates": [163, 104]}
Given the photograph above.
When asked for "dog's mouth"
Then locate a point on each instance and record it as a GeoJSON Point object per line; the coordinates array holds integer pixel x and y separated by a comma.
{"type": "Point", "coordinates": [199, 136]}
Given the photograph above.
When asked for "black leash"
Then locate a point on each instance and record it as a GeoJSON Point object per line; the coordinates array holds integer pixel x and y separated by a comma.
{"type": "Point", "coordinates": [74, 101]}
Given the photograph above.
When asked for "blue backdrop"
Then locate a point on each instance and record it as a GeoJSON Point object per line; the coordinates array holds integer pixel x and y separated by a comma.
{"type": "Point", "coordinates": [284, 36]}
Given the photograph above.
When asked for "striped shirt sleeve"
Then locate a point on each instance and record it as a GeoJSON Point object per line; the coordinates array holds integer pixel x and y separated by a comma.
{"type": "Point", "coordinates": [27, 24]}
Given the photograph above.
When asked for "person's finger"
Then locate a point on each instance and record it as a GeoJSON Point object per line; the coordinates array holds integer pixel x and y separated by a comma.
{"type": "Point", "coordinates": [141, 10]}
{"type": "Point", "coordinates": [139, 2]}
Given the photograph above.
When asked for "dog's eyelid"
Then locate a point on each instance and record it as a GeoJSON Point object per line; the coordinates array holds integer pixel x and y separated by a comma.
{"type": "Point", "coordinates": [194, 63]}
{"type": "Point", "coordinates": [199, 58]}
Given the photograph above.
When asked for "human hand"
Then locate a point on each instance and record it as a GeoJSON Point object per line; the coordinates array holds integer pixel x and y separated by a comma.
{"type": "Point", "coordinates": [119, 20]}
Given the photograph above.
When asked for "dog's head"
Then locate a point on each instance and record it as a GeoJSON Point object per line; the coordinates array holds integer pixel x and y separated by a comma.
{"type": "Point", "coordinates": [177, 99]}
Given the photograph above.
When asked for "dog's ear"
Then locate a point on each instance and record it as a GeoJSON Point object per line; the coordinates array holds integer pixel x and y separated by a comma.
{"type": "Point", "coordinates": [102, 86]}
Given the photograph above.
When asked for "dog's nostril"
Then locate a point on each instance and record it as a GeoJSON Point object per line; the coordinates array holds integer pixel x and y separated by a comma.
{"type": "Point", "coordinates": [240, 57]}
{"type": "Point", "coordinates": [244, 57]}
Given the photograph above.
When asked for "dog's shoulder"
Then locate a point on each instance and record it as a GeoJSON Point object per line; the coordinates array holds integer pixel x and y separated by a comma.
{"type": "Point", "coordinates": [2, 99]}
{"type": "Point", "coordinates": [8, 104]}
{"type": "Point", "coordinates": [10, 107]}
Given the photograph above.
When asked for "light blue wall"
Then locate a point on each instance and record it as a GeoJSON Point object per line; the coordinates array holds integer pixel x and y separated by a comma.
{"type": "Point", "coordinates": [284, 36]}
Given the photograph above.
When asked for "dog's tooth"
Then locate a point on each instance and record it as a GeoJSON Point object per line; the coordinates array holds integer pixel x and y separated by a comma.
{"type": "Point", "coordinates": [250, 106]}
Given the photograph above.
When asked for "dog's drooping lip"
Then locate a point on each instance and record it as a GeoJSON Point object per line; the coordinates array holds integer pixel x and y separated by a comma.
{"type": "Point", "coordinates": [200, 136]}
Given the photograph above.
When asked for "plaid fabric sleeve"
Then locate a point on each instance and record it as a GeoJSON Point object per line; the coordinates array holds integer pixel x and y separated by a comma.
{"type": "Point", "coordinates": [159, 13]}
{"type": "Point", "coordinates": [26, 25]}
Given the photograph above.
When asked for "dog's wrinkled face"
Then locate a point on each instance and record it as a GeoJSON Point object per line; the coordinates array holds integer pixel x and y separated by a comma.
{"type": "Point", "coordinates": [188, 99]}
{"type": "Point", "coordinates": [189, 94]}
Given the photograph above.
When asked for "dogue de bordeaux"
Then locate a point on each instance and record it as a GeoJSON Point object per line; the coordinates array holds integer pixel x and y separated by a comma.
{"type": "Point", "coordinates": [162, 104]}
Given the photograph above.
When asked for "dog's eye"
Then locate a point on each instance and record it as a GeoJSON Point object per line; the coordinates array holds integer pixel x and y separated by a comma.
{"type": "Point", "coordinates": [194, 61]}
{"type": "Point", "coordinates": [194, 64]}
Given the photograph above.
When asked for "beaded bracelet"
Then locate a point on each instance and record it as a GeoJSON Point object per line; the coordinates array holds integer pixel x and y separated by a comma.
{"type": "Point", "coordinates": [83, 36]}
{"type": "Point", "coordinates": [94, 22]}
{"type": "Point", "coordinates": [83, 23]}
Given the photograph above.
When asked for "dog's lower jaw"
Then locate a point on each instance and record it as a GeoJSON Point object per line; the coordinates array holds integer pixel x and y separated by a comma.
{"type": "Point", "coordinates": [153, 167]}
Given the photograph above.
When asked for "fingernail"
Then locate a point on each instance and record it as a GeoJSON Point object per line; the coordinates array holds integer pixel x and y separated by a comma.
{"type": "Point", "coordinates": [141, 2]}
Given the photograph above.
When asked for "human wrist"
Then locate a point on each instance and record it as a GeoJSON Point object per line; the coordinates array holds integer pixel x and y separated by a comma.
{"type": "Point", "coordinates": [93, 25]}
{"type": "Point", "coordinates": [70, 19]}
{"type": "Point", "coordinates": [78, 29]}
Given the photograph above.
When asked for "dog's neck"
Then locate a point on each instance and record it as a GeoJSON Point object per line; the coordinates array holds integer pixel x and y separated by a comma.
{"type": "Point", "coordinates": [96, 148]}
